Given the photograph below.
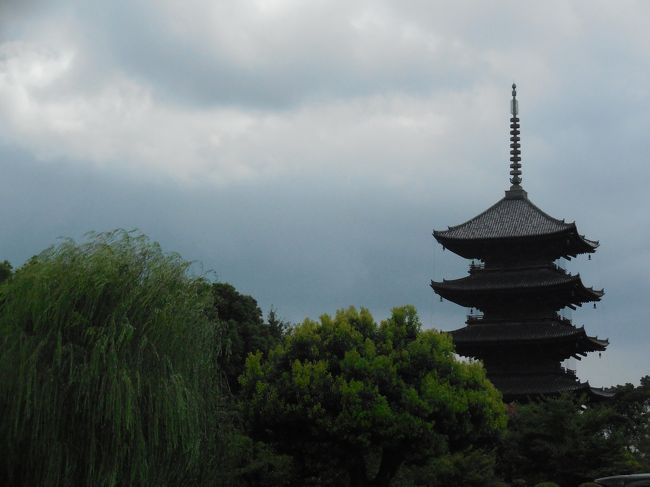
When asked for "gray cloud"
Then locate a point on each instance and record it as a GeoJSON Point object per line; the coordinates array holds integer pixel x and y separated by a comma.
{"type": "Point", "coordinates": [305, 153]}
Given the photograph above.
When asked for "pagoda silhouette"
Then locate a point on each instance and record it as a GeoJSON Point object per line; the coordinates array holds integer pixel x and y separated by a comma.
{"type": "Point", "coordinates": [518, 292]}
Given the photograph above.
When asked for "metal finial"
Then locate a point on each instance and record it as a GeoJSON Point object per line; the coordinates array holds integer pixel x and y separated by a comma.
{"type": "Point", "coordinates": [514, 105]}
{"type": "Point", "coordinates": [515, 148]}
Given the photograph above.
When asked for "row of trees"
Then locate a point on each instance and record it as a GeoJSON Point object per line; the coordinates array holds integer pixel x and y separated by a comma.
{"type": "Point", "coordinates": [118, 367]}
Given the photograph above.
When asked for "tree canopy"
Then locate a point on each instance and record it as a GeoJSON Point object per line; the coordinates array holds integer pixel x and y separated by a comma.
{"type": "Point", "coordinates": [353, 401]}
{"type": "Point", "coordinates": [107, 366]}
{"type": "Point", "coordinates": [564, 440]}
{"type": "Point", "coordinates": [632, 404]}
{"type": "Point", "coordinates": [112, 367]}
{"type": "Point", "coordinates": [243, 329]}
{"type": "Point", "coordinates": [6, 270]}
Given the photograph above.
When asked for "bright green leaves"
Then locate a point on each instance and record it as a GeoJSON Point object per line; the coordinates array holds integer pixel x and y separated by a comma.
{"type": "Point", "coordinates": [347, 388]}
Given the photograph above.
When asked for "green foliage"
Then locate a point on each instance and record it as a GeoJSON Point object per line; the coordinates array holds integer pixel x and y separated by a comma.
{"type": "Point", "coordinates": [589, 484]}
{"type": "Point", "coordinates": [353, 401]}
{"type": "Point", "coordinates": [546, 484]}
{"type": "Point", "coordinates": [243, 329]}
{"type": "Point", "coordinates": [107, 367]}
{"type": "Point", "coordinates": [633, 405]}
{"type": "Point", "coordinates": [254, 463]}
{"type": "Point", "coordinates": [6, 271]}
{"type": "Point", "coordinates": [560, 439]}
{"type": "Point", "coordinates": [470, 468]}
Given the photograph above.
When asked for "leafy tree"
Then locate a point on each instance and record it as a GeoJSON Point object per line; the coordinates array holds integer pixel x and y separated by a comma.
{"type": "Point", "coordinates": [633, 404]}
{"type": "Point", "coordinates": [471, 467]}
{"type": "Point", "coordinates": [352, 401]}
{"type": "Point", "coordinates": [107, 367]}
{"type": "Point", "coordinates": [6, 271]}
{"type": "Point", "coordinates": [562, 440]}
{"type": "Point", "coordinates": [244, 330]}
{"type": "Point", "coordinates": [254, 463]}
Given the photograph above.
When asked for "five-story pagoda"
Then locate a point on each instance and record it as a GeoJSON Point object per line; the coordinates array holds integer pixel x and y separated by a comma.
{"type": "Point", "coordinates": [519, 291]}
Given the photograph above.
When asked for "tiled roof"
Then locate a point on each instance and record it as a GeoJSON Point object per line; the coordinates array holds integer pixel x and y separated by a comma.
{"type": "Point", "coordinates": [506, 279]}
{"type": "Point", "coordinates": [508, 218]}
{"type": "Point", "coordinates": [522, 386]}
{"type": "Point", "coordinates": [527, 331]}
{"type": "Point", "coordinates": [533, 384]}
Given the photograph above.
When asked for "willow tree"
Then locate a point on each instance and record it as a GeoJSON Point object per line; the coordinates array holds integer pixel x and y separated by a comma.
{"type": "Point", "coordinates": [352, 401]}
{"type": "Point", "coordinates": [106, 366]}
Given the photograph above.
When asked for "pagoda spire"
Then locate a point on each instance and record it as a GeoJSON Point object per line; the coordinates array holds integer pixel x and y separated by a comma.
{"type": "Point", "coordinates": [515, 152]}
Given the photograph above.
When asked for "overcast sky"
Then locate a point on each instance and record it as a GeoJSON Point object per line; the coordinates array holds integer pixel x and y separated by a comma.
{"type": "Point", "coordinates": [305, 150]}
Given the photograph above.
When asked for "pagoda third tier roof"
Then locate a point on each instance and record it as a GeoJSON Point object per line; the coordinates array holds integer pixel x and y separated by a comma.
{"type": "Point", "coordinates": [512, 218]}
{"type": "Point", "coordinates": [487, 286]}
{"type": "Point", "coordinates": [479, 338]}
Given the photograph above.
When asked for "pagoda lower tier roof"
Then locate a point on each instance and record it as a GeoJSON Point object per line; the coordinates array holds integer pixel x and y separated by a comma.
{"type": "Point", "coordinates": [521, 386]}
{"type": "Point", "coordinates": [512, 218]}
{"type": "Point", "coordinates": [478, 339]}
{"type": "Point", "coordinates": [485, 287]}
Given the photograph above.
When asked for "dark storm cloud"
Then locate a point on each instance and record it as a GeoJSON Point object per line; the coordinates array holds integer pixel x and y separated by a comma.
{"type": "Point", "coordinates": [304, 153]}
{"type": "Point", "coordinates": [322, 55]}
{"type": "Point", "coordinates": [284, 61]}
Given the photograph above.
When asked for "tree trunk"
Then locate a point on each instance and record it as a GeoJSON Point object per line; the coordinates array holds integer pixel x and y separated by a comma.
{"type": "Point", "coordinates": [357, 474]}
{"type": "Point", "coordinates": [391, 460]}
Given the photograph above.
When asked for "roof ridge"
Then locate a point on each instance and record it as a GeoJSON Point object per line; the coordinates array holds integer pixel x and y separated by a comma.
{"type": "Point", "coordinates": [547, 215]}
{"type": "Point", "coordinates": [502, 200]}
{"type": "Point", "coordinates": [471, 219]}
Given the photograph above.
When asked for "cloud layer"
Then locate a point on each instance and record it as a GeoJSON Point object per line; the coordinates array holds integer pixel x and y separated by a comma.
{"type": "Point", "coordinates": [304, 150]}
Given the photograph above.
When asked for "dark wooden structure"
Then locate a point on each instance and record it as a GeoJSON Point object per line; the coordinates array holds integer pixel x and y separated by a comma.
{"type": "Point", "coordinates": [518, 291]}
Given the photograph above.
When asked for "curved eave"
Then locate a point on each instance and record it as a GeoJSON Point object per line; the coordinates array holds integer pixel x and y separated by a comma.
{"type": "Point", "coordinates": [470, 284]}
{"type": "Point", "coordinates": [482, 340]}
{"type": "Point", "coordinates": [600, 393]}
{"type": "Point", "coordinates": [525, 393]}
{"type": "Point", "coordinates": [599, 345]}
{"type": "Point", "coordinates": [446, 235]}
{"type": "Point", "coordinates": [568, 238]}
{"type": "Point", "coordinates": [524, 332]}
{"type": "Point", "coordinates": [518, 386]}
{"type": "Point", "coordinates": [592, 244]}
{"type": "Point", "coordinates": [467, 292]}
{"type": "Point", "coordinates": [529, 386]}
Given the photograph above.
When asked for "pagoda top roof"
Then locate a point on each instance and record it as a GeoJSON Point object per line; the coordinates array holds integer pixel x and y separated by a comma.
{"type": "Point", "coordinates": [511, 217]}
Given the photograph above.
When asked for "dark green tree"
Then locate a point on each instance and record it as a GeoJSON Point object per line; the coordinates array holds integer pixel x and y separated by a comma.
{"type": "Point", "coordinates": [471, 467]}
{"type": "Point", "coordinates": [565, 441]}
{"type": "Point", "coordinates": [107, 367]}
{"type": "Point", "coordinates": [633, 405]}
{"type": "Point", "coordinates": [6, 271]}
{"type": "Point", "coordinates": [352, 401]}
{"type": "Point", "coordinates": [244, 329]}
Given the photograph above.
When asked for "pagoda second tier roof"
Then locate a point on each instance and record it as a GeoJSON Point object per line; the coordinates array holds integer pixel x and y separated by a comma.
{"type": "Point", "coordinates": [486, 285]}
{"type": "Point", "coordinates": [479, 336]}
{"type": "Point", "coordinates": [512, 217]}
